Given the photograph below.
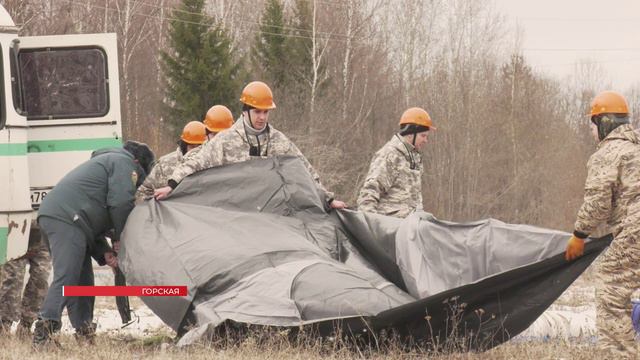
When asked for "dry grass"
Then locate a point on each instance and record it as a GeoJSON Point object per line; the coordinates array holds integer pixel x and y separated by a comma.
{"type": "Point", "coordinates": [160, 346]}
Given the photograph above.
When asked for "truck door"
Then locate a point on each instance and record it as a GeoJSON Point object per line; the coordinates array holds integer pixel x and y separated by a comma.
{"type": "Point", "coordinates": [67, 89]}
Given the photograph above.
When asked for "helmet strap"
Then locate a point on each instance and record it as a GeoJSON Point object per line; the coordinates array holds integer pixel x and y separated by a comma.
{"type": "Point", "coordinates": [183, 147]}
{"type": "Point", "coordinates": [412, 160]}
{"type": "Point", "coordinates": [250, 121]}
{"type": "Point", "coordinates": [248, 108]}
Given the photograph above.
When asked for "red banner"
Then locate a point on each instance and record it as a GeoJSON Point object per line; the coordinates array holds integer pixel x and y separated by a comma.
{"type": "Point", "coordinates": [124, 291]}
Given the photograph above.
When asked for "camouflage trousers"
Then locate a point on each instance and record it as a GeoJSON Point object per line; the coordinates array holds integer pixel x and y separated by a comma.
{"type": "Point", "coordinates": [618, 277]}
{"type": "Point", "coordinates": [13, 306]}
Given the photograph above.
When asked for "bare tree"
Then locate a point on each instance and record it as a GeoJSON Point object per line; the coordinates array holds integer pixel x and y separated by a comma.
{"type": "Point", "coordinates": [316, 53]}
{"type": "Point", "coordinates": [134, 22]}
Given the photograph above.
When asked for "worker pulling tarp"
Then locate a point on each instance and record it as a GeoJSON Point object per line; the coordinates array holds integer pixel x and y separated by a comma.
{"type": "Point", "coordinates": [254, 245]}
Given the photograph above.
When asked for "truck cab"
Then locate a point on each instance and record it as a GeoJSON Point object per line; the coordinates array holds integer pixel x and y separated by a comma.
{"type": "Point", "coordinates": [59, 101]}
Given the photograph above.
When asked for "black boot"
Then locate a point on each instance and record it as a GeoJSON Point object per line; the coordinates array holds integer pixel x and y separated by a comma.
{"type": "Point", "coordinates": [86, 335]}
{"type": "Point", "coordinates": [43, 331]}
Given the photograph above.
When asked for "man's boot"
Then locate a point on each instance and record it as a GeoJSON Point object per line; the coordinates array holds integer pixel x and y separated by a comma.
{"type": "Point", "coordinates": [43, 331]}
{"type": "Point", "coordinates": [86, 335]}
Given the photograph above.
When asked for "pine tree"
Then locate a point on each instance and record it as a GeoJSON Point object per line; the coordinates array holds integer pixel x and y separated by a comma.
{"type": "Point", "coordinates": [301, 43]}
{"type": "Point", "coordinates": [199, 70]}
{"type": "Point", "coordinates": [270, 49]}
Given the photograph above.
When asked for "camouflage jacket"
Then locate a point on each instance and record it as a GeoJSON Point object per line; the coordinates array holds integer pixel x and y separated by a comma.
{"type": "Point", "coordinates": [612, 188]}
{"type": "Point", "coordinates": [161, 172]}
{"type": "Point", "coordinates": [392, 187]}
{"type": "Point", "coordinates": [233, 145]}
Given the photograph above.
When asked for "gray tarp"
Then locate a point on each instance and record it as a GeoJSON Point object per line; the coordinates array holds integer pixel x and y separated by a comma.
{"type": "Point", "coordinates": [436, 255]}
{"type": "Point", "coordinates": [254, 244]}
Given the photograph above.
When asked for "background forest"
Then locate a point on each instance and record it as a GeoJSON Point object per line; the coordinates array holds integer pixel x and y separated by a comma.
{"type": "Point", "coordinates": [511, 143]}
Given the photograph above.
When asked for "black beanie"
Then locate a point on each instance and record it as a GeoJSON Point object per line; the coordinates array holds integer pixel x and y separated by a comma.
{"type": "Point", "coordinates": [142, 153]}
{"type": "Point", "coordinates": [410, 129]}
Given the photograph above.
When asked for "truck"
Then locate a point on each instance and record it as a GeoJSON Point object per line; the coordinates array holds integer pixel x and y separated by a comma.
{"type": "Point", "coordinates": [59, 101]}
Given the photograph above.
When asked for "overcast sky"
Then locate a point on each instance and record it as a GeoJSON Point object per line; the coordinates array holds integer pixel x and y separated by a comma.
{"type": "Point", "coordinates": [558, 33]}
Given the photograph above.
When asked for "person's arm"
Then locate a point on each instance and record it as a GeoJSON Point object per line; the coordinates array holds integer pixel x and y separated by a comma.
{"type": "Point", "coordinates": [151, 182]}
{"type": "Point", "coordinates": [121, 193]}
{"type": "Point", "coordinates": [378, 181]}
{"type": "Point", "coordinates": [144, 192]}
{"type": "Point", "coordinates": [210, 156]}
{"type": "Point", "coordinates": [599, 185]}
{"type": "Point", "coordinates": [596, 207]}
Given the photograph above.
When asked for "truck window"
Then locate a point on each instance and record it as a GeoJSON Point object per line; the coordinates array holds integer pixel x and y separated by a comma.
{"type": "Point", "coordinates": [64, 83]}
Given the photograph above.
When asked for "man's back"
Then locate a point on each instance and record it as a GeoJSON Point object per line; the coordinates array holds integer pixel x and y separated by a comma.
{"type": "Point", "coordinates": [87, 194]}
{"type": "Point", "coordinates": [612, 188]}
{"type": "Point", "coordinates": [393, 186]}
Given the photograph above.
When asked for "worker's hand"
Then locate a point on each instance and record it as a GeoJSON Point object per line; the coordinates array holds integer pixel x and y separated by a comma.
{"type": "Point", "coordinates": [337, 204]}
{"type": "Point", "coordinates": [111, 259]}
{"type": "Point", "coordinates": [575, 248]}
{"type": "Point", "coordinates": [162, 193]}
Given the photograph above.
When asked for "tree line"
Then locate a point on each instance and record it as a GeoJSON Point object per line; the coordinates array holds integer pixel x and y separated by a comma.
{"type": "Point", "coordinates": [511, 142]}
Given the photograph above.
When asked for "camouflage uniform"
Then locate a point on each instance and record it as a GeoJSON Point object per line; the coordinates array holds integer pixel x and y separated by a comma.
{"type": "Point", "coordinates": [161, 172]}
{"type": "Point", "coordinates": [612, 195]}
{"type": "Point", "coordinates": [12, 278]}
{"type": "Point", "coordinates": [392, 187]}
{"type": "Point", "coordinates": [233, 145]}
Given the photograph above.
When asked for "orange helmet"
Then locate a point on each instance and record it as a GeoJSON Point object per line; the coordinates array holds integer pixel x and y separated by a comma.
{"type": "Point", "coordinates": [609, 102]}
{"type": "Point", "coordinates": [194, 133]}
{"type": "Point", "coordinates": [417, 116]}
{"type": "Point", "coordinates": [218, 118]}
{"type": "Point", "coordinates": [258, 95]}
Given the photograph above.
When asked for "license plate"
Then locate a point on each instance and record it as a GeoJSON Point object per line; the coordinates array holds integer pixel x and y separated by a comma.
{"type": "Point", "coordinates": [37, 196]}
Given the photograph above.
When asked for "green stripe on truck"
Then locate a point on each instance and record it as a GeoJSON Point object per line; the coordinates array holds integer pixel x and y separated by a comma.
{"type": "Point", "coordinates": [3, 244]}
{"type": "Point", "coordinates": [13, 149]}
{"type": "Point", "coordinates": [71, 145]}
{"type": "Point", "coordinates": [57, 145]}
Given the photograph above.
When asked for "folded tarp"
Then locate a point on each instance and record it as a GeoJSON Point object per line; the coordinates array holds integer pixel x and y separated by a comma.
{"type": "Point", "coordinates": [432, 255]}
{"type": "Point", "coordinates": [254, 245]}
